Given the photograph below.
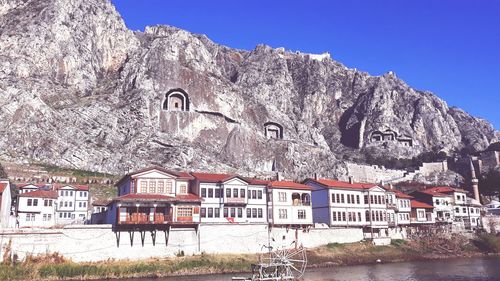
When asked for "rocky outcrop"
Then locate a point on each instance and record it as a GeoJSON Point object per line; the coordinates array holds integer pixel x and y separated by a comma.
{"type": "Point", "coordinates": [81, 90]}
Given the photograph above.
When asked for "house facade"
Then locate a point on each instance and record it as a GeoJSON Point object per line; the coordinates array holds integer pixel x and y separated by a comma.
{"type": "Point", "coordinates": [154, 198]}
{"type": "Point", "coordinates": [441, 202]}
{"type": "Point", "coordinates": [72, 204]}
{"type": "Point", "coordinates": [37, 209]}
{"type": "Point", "coordinates": [5, 203]}
{"type": "Point", "coordinates": [403, 208]}
{"type": "Point", "coordinates": [289, 204]}
{"type": "Point", "coordinates": [230, 199]}
{"type": "Point", "coordinates": [350, 204]}
{"type": "Point", "coordinates": [421, 213]}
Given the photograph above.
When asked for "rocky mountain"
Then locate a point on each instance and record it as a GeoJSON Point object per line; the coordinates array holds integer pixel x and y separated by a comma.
{"type": "Point", "coordinates": [80, 90]}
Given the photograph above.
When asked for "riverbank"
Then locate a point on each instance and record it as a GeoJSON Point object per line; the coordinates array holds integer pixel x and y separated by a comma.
{"type": "Point", "coordinates": [55, 267]}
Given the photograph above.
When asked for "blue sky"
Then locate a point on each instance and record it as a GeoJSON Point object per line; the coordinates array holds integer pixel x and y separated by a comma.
{"type": "Point", "coordinates": [449, 47]}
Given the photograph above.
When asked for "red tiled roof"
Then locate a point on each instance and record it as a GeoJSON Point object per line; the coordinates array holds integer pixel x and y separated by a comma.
{"type": "Point", "coordinates": [180, 175]}
{"type": "Point", "coordinates": [433, 193]}
{"type": "Point", "coordinates": [400, 194]}
{"type": "Point", "coordinates": [188, 198]}
{"type": "Point", "coordinates": [418, 204]}
{"type": "Point", "coordinates": [288, 185]}
{"type": "Point", "coordinates": [22, 185]}
{"type": "Point", "coordinates": [75, 186]}
{"type": "Point", "coordinates": [257, 181]}
{"type": "Point", "coordinates": [2, 186]}
{"type": "Point", "coordinates": [140, 196]}
{"type": "Point", "coordinates": [342, 184]}
{"type": "Point", "coordinates": [445, 189]}
{"type": "Point", "coordinates": [210, 177]}
{"type": "Point", "coordinates": [40, 194]}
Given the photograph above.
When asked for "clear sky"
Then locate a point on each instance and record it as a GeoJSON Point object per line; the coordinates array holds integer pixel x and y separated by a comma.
{"type": "Point", "coordinates": [449, 47]}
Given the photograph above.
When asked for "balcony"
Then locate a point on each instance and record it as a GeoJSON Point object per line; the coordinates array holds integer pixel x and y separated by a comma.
{"type": "Point", "coordinates": [144, 218]}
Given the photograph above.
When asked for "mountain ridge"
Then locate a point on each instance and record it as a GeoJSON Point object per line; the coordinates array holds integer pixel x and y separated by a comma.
{"type": "Point", "coordinates": [92, 97]}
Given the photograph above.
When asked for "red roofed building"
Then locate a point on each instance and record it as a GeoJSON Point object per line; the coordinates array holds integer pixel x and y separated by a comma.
{"type": "Point", "coordinates": [289, 204]}
{"type": "Point", "coordinates": [5, 203]}
{"type": "Point", "coordinates": [421, 213]}
{"type": "Point", "coordinates": [229, 199]}
{"type": "Point", "coordinates": [350, 204]}
{"type": "Point", "coordinates": [72, 205]}
{"type": "Point", "coordinates": [154, 198]}
{"type": "Point", "coordinates": [37, 209]}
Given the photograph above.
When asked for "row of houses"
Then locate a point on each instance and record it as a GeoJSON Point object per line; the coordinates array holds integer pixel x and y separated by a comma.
{"type": "Point", "coordinates": [156, 198]}
{"type": "Point", "coordinates": [43, 205]}
{"type": "Point", "coordinates": [159, 197]}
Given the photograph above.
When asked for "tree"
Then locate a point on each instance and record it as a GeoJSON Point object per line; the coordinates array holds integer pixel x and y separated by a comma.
{"type": "Point", "coordinates": [3, 174]}
{"type": "Point", "coordinates": [490, 183]}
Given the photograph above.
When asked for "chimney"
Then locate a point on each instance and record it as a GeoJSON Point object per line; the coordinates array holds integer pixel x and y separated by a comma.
{"type": "Point", "coordinates": [316, 176]}
{"type": "Point", "coordinates": [474, 182]}
{"type": "Point", "coordinates": [351, 180]}
{"type": "Point", "coordinates": [391, 186]}
{"type": "Point", "coordinates": [279, 176]}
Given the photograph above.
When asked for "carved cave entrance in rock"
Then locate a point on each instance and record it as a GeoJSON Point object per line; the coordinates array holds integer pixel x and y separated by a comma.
{"type": "Point", "coordinates": [176, 100]}
{"type": "Point", "coordinates": [273, 130]}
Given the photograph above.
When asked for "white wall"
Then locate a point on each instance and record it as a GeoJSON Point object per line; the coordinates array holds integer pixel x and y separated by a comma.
{"type": "Point", "coordinates": [5, 205]}
{"type": "Point", "coordinates": [98, 243]}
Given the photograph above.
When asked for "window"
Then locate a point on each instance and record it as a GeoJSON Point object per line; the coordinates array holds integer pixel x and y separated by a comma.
{"type": "Point", "coordinates": [282, 197]}
{"type": "Point", "coordinates": [84, 204]}
{"type": "Point", "coordinates": [183, 189]}
{"type": "Point", "coordinates": [254, 194]}
{"type": "Point", "coordinates": [334, 216]}
{"type": "Point", "coordinates": [301, 214]}
{"type": "Point", "coordinates": [72, 216]}
{"type": "Point", "coordinates": [359, 216]}
{"type": "Point", "coordinates": [254, 212]}
{"type": "Point", "coordinates": [282, 214]}
{"type": "Point", "coordinates": [204, 192]}
{"type": "Point", "coordinates": [366, 199]}
{"type": "Point", "coordinates": [80, 204]}
{"type": "Point", "coordinates": [333, 198]}
{"type": "Point", "coordinates": [226, 213]}
{"type": "Point", "coordinates": [349, 216]}
{"type": "Point", "coordinates": [464, 210]}
{"type": "Point", "coordinates": [30, 202]}
{"type": "Point", "coordinates": [28, 217]}
{"type": "Point", "coordinates": [35, 202]}
{"type": "Point", "coordinates": [216, 212]}
{"type": "Point", "coordinates": [168, 187]}
{"type": "Point", "coordinates": [50, 203]}
{"type": "Point", "coordinates": [210, 212]}
{"type": "Point", "coordinates": [161, 187]}
{"type": "Point", "coordinates": [217, 192]}
{"type": "Point", "coordinates": [210, 193]}
{"type": "Point", "coordinates": [421, 214]}
{"type": "Point", "coordinates": [60, 215]}
{"type": "Point", "coordinates": [70, 204]}
{"type": "Point", "coordinates": [343, 216]}
{"type": "Point", "coordinates": [337, 196]}
{"type": "Point", "coordinates": [357, 199]}
{"type": "Point", "coordinates": [71, 193]}
{"type": "Point", "coordinates": [235, 193]}
{"type": "Point", "coordinates": [228, 192]}
{"type": "Point", "coordinates": [260, 212]}
{"type": "Point", "coordinates": [457, 210]}
{"type": "Point", "coordinates": [233, 212]}
{"type": "Point", "coordinates": [342, 198]}
{"type": "Point", "coordinates": [44, 217]}
{"type": "Point", "coordinates": [240, 212]}
{"type": "Point", "coordinates": [249, 212]}
{"type": "Point", "coordinates": [184, 212]}
{"type": "Point", "coordinates": [49, 217]}
{"type": "Point", "coordinates": [144, 186]}
{"type": "Point", "coordinates": [348, 199]}
{"type": "Point", "coordinates": [242, 193]}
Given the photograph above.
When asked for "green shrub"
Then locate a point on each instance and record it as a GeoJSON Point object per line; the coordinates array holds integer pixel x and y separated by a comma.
{"type": "Point", "coordinates": [488, 243]}
{"type": "Point", "coordinates": [398, 242]}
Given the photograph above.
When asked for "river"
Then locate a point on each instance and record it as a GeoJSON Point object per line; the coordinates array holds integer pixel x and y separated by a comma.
{"type": "Point", "coordinates": [474, 269]}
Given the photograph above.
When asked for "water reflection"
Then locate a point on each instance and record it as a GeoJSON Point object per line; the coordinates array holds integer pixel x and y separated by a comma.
{"type": "Point", "coordinates": [481, 269]}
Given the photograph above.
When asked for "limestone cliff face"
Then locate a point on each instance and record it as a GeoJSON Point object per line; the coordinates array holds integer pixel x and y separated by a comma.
{"type": "Point", "coordinates": [79, 89]}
